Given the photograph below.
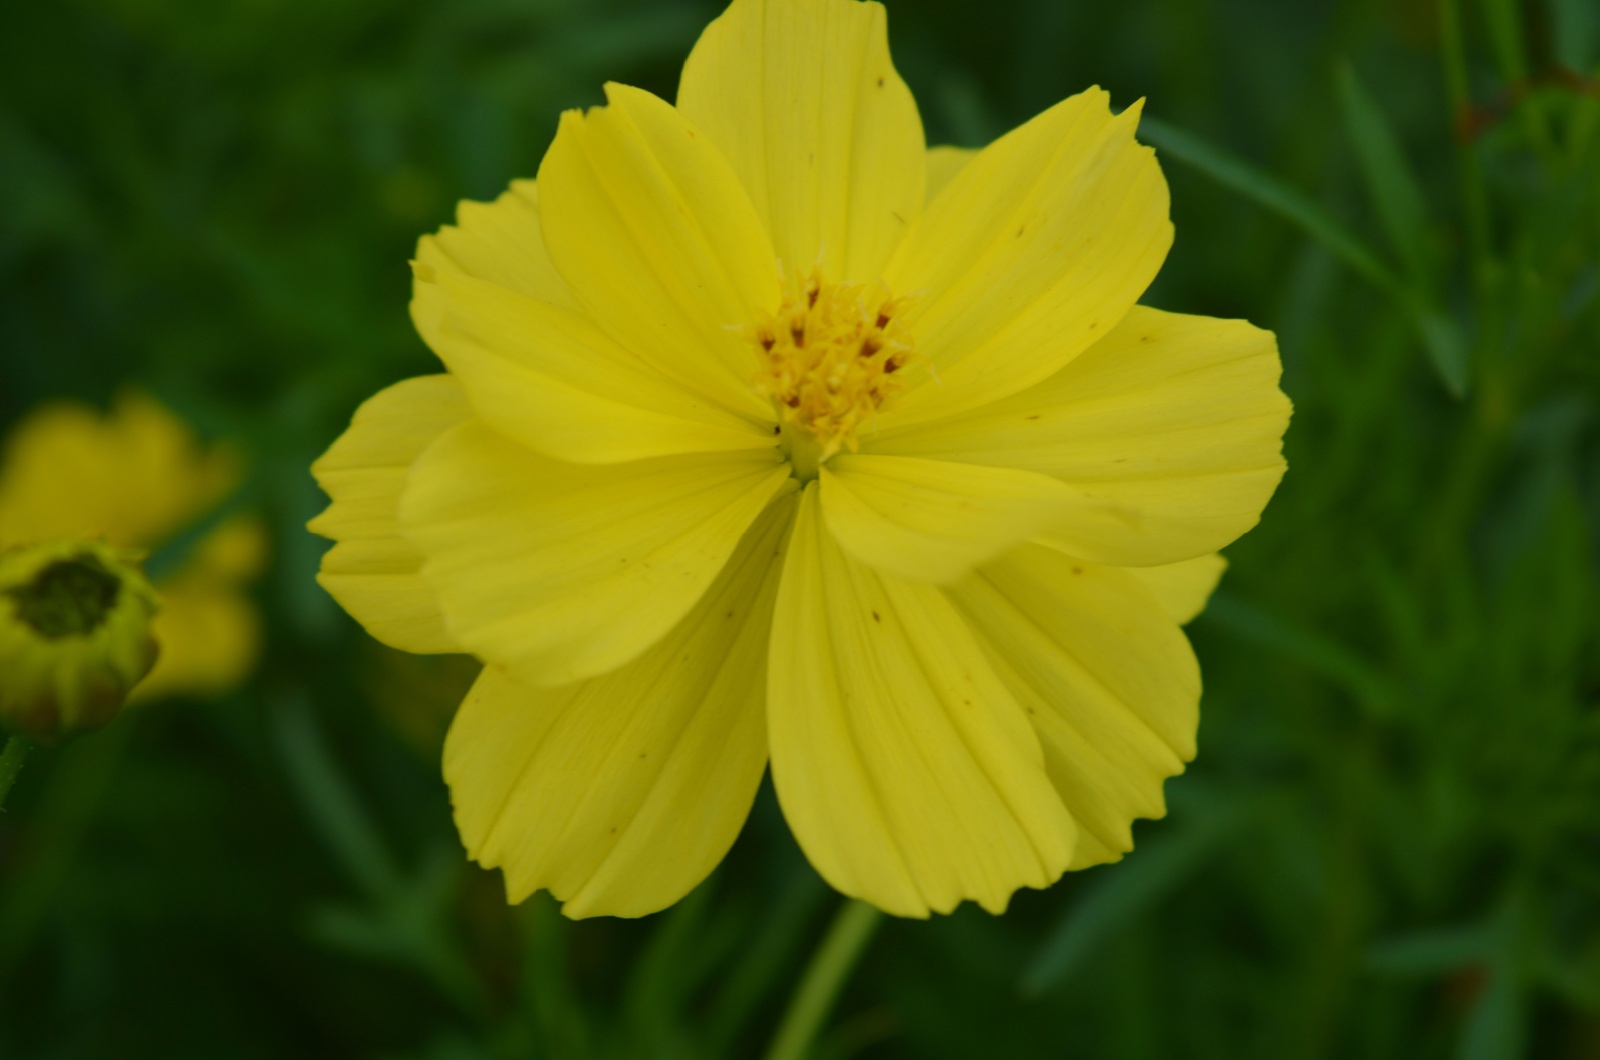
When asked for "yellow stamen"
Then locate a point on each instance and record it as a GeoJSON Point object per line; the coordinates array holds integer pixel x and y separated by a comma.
{"type": "Point", "coordinates": [833, 355]}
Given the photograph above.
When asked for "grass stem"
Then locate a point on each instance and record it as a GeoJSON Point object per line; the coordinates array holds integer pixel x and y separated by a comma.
{"type": "Point", "coordinates": [847, 938]}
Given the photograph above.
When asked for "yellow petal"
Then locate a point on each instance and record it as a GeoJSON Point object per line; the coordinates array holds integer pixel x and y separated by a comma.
{"type": "Point", "coordinates": [943, 165]}
{"type": "Point", "coordinates": [235, 552]}
{"type": "Point", "coordinates": [133, 476]}
{"type": "Point", "coordinates": [909, 774]}
{"type": "Point", "coordinates": [659, 243]}
{"type": "Point", "coordinates": [565, 571]}
{"type": "Point", "coordinates": [373, 571]}
{"type": "Point", "coordinates": [1182, 589]}
{"type": "Point", "coordinates": [208, 629]}
{"type": "Point", "coordinates": [931, 520]}
{"type": "Point", "coordinates": [1034, 250]}
{"type": "Point", "coordinates": [500, 242]}
{"type": "Point", "coordinates": [210, 638]}
{"type": "Point", "coordinates": [803, 100]}
{"type": "Point", "coordinates": [1172, 426]}
{"type": "Point", "coordinates": [552, 379]}
{"type": "Point", "coordinates": [1106, 676]}
{"type": "Point", "coordinates": [621, 793]}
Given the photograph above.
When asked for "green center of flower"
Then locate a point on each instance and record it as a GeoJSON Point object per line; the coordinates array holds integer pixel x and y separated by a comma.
{"type": "Point", "coordinates": [68, 598]}
{"type": "Point", "coordinates": [832, 356]}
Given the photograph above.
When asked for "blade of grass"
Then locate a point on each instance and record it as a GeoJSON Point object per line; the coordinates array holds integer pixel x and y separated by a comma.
{"type": "Point", "coordinates": [1495, 1026]}
{"type": "Point", "coordinates": [824, 978]}
{"type": "Point", "coordinates": [1369, 686]}
{"type": "Point", "coordinates": [1433, 952]}
{"type": "Point", "coordinates": [1391, 183]}
{"type": "Point", "coordinates": [1440, 338]}
{"type": "Point", "coordinates": [770, 952]}
{"type": "Point", "coordinates": [1575, 32]}
{"type": "Point", "coordinates": [327, 799]}
{"type": "Point", "coordinates": [547, 991]}
{"type": "Point", "coordinates": [406, 916]}
{"type": "Point", "coordinates": [1120, 896]}
{"type": "Point", "coordinates": [1503, 18]}
{"type": "Point", "coordinates": [1272, 194]}
{"type": "Point", "coordinates": [671, 967]}
{"type": "Point", "coordinates": [81, 778]}
{"type": "Point", "coordinates": [1475, 197]}
{"type": "Point", "coordinates": [1444, 344]}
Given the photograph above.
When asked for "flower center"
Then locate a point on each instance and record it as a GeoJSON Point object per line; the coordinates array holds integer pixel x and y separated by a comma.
{"type": "Point", "coordinates": [832, 356]}
{"type": "Point", "coordinates": [69, 598]}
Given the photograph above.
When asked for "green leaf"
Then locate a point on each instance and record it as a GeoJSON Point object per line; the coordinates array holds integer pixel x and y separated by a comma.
{"type": "Point", "coordinates": [1390, 181]}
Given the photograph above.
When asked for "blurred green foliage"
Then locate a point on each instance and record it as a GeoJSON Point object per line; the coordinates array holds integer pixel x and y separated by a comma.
{"type": "Point", "coordinates": [1390, 844]}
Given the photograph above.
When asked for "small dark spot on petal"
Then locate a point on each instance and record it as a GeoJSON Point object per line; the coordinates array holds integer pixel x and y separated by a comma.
{"type": "Point", "coordinates": [777, 428]}
{"type": "Point", "coordinates": [1033, 417]}
{"type": "Point", "coordinates": [875, 617]}
{"type": "Point", "coordinates": [613, 831]}
{"type": "Point", "coordinates": [1077, 570]}
{"type": "Point", "coordinates": [880, 82]}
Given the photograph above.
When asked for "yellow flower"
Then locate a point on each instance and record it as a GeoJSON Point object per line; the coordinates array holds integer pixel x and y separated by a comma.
{"type": "Point", "coordinates": [136, 478]}
{"type": "Point", "coordinates": [74, 636]}
{"type": "Point", "coordinates": [769, 434]}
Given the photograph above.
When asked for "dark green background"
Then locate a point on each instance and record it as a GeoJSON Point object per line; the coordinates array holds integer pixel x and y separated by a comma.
{"type": "Point", "coordinates": [1390, 843]}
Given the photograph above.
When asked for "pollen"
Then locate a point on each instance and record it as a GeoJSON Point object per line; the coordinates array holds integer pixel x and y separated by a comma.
{"type": "Point", "coordinates": [832, 356]}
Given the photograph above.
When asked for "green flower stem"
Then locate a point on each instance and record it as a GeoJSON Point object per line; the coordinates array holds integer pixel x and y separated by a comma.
{"type": "Point", "coordinates": [11, 764]}
{"type": "Point", "coordinates": [847, 938]}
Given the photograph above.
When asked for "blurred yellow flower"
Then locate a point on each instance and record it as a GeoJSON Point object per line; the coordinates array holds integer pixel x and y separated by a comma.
{"type": "Point", "coordinates": [769, 434]}
{"type": "Point", "coordinates": [74, 636]}
{"type": "Point", "coordinates": [136, 478]}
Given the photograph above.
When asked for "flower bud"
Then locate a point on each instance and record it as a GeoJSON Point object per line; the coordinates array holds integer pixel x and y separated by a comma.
{"type": "Point", "coordinates": [74, 636]}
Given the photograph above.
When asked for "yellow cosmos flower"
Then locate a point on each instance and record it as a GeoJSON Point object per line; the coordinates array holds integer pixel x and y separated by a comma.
{"type": "Point", "coordinates": [135, 478]}
{"type": "Point", "coordinates": [769, 435]}
{"type": "Point", "coordinates": [74, 636]}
